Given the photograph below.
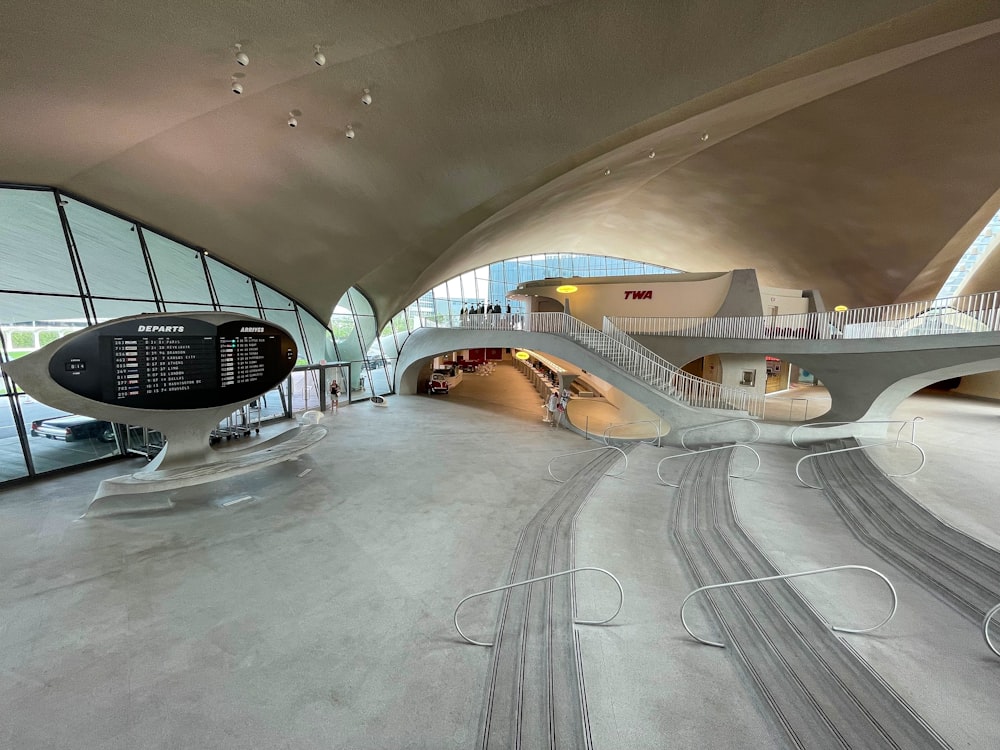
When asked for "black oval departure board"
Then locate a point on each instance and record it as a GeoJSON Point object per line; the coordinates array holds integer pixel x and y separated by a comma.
{"type": "Point", "coordinates": [174, 362]}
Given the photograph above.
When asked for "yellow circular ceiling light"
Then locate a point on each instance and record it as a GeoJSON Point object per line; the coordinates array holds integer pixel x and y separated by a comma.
{"type": "Point", "coordinates": [522, 355]}
{"type": "Point", "coordinates": [566, 289]}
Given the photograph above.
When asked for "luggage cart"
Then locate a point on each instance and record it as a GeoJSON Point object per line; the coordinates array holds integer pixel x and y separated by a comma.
{"type": "Point", "coordinates": [240, 423]}
{"type": "Point", "coordinates": [252, 415]}
{"type": "Point", "coordinates": [141, 441]}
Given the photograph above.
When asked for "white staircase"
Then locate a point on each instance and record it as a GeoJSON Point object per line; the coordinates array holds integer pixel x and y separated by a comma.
{"type": "Point", "coordinates": [628, 355]}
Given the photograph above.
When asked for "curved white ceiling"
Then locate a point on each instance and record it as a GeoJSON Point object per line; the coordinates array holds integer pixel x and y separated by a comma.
{"type": "Point", "coordinates": [481, 107]}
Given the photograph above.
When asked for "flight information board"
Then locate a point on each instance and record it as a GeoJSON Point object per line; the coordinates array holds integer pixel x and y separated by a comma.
{"type": "Point", "coordinates": [172, 362]}
{"type": "Point", "coordinates": [154, 365]}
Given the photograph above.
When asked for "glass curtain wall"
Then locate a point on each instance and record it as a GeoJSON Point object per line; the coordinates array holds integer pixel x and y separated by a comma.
{"type": "Point", "coordinates": [490, 284]}
{"type": "Point", "coordinates": [66, 265]}
{"type": "Point", "coordinates": [981, 247]}
{"type": "Point", "coordinates": [355, 332]}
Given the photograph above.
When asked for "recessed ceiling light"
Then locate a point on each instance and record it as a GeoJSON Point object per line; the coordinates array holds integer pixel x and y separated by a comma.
{"type": "Point", "coordinates": [318, 57]}
{"type": "Point", "coordinates": [349, 132]}
{"type": "Point", "coordinates": [241, 57]}
{"type": "Point", "coordinates": [366, 97]}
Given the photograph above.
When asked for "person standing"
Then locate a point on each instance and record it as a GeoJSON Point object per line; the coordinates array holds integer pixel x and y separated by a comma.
{"type": "Point", "coordinates": [552, 407]}
{"type": "Point", "coordinates": [334, 394]}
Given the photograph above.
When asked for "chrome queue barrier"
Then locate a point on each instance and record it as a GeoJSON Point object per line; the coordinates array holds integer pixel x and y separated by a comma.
{"type": "Point", "coordinates": [648, 441]}
{"type": "Point", "coordinates": [589, 450]}
{"type": "Point", "coordinates": [888, 583]}
{"type": "Point", "coordinates": [717, 424]}
{"type": "Point", "coordinates": [923, 459]}
{"type": "Point", "coordinates": [621, 599]}
{"type": "Point", "coordinates": [901, 422]}
{"type": "Point", "coordinates": [709, 450]}
{"type": "Point", "coordinates": [986, 629]}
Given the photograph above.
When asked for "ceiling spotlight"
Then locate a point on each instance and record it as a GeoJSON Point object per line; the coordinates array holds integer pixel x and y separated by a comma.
{"type": "Point", "coordinates": [349, 132]}
{"type": "Point", "coordinates": [318, 57]}
{"type": "Point", "coordinates": [607, 171]}
{"type": "Point", "coordinates": [704, 136]}
{"type": "Point", "coordinates": [241, 57]}
{"type": "Point", "coordinates": [366, 97]}
{"type": "Point", "coordinates": [292, 121]}
{"type": "Point", "coordinates": [651, 154]}
{"type": "Point", "coordinates": [237, 86]}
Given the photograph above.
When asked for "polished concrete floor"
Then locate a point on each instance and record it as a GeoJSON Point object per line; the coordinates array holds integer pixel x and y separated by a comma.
{"type": "Point", "coordinates": [317, 613]}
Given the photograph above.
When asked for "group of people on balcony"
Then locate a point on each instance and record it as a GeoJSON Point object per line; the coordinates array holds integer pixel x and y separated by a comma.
{"type": "Point", "coordinates": [493, 308]}
{"type": "Point", "coordinates": [497, 317]}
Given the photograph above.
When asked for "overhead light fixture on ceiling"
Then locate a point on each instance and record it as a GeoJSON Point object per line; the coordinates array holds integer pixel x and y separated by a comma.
{"type": "Point", "coordinates": [318, 57]}
{"type": "Point", "coordinates": [651, 154]}
{"type": "Point", "coordinates": [241, 57]}
{"type": "Point", "coordinates": [566, 289]}
{"type": "Point", "coordinates": [704, 136]}
{"type": "Point", "coordinates": [293, 118]}
{"type": "Point", "coordinates": [349, 132]}
{"type": "Point", "coordinates": [237, 87]}
{"type": "Point", "coordinates": [607, 171]}
{"type": "Point", "coordinates": [366, 97]}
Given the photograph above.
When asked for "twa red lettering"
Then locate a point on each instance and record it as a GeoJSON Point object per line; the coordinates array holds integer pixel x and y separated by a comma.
{"type": "Point", "coordinates": [641, 294]}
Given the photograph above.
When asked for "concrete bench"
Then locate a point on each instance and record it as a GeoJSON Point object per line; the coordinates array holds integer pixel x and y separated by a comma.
{"type": "Point", "coordinates": [131, 493]}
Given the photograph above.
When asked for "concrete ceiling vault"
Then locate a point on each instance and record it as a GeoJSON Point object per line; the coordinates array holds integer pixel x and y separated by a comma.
{"type": "Point", "coordinates": [851, 144]}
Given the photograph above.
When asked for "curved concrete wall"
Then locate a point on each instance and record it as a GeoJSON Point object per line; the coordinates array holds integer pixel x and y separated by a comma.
{"type": "Point", "coordinates": [865, 377]}
{"type": "Point", "coordinates": [430, 342]}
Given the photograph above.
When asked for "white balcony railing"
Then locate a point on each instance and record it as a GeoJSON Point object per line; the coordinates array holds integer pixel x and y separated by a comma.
{"type": "Point", "coordinates": [621, 350]}
{"type": "Point", "coordinates": [976, 313]}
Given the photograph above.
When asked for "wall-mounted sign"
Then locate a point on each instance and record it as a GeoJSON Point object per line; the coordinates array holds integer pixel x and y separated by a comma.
{"type": "Point", "coordinates": [174, 362]}
{"type": "Point", "coordinates": [641, 294]}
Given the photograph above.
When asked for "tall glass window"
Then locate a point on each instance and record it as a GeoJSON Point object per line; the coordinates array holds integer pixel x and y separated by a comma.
{"type": "Point", "coordinates": [179, 272]}
{"type": "Point", "coordinates": [490, 284]}
{"type": "Point", "coordinates": [60, 276]}
{"type": "Point", "coordinates": [32, 244]}
{"type": "Point", "coordinates": [981, 247]}
{"type": "Point", "coordinates": [233, 289]}
{"type": "Point", "coordinates": [109, 253]}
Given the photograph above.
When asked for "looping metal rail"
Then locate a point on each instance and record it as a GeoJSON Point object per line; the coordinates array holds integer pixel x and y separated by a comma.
{"type": "Point", "coordinates": [888, 583]}
{"type": "Point", "coordinates": [986, 629]}
{"type": "Point", "coordinates": [621, 599]}
{"type": "Point", "coordinates": [589, 450]}
{"type": "Point", "coordinates": [901, 422]}
{"type": "Point", "coordinates": [709, 450]}
{"type": "Point", "coordinates": [717, 424]}
{"type": "Point", "coordinates": [651, 441]}
{"type": "Point", "coordinates": [923, 459]}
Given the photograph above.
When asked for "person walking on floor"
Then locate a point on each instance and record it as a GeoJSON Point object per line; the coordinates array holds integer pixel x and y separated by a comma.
{"type": "Point", "coordinates": [334, 394]}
